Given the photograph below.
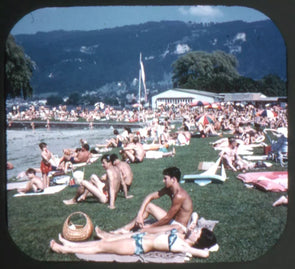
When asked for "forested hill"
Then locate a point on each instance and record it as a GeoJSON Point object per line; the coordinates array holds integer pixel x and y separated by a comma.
{"type": "Point", "coordinates": [67, 61]}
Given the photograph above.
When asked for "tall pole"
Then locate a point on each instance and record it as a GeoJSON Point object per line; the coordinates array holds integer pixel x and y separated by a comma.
{"type": "Point", "coordinates": [139, 80]}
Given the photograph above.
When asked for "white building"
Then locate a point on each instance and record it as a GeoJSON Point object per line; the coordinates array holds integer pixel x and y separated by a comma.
{"type": "Point", "coordinates": [187, 96]}
{"type": "Point", "coordinates": [177, 96]}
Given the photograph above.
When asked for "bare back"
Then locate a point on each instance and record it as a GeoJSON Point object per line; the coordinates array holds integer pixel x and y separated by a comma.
{"type": "Point", "coordinates": [126, 172]}
{"type": "Point", "coordinates": [114, 179]}
{"type": "Point", "coordinates": [139, 151]}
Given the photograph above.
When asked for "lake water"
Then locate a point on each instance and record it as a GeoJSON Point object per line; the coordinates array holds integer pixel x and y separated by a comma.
{"type": "Point", "coordinates": [23, 145]}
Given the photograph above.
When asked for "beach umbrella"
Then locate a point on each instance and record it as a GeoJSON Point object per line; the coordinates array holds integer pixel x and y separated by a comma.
{"type": "Point", "coordinates": [267, 113]}
{"type": "Point", "coordinates": [205, 119]}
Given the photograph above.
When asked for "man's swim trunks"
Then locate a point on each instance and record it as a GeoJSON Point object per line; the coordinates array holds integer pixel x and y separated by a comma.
{"type": "Point", "coordinates": [179, 224]}
{"type": "Point", "coordinates": [72, 160]}
{"type": "Point", "coordinates": [45, 167]}
{"type": "Point", "coordinates": [138, 243]}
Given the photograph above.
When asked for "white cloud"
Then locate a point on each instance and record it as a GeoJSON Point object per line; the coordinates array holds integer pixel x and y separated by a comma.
{"type": "Point", "coordinates": [204, 12]}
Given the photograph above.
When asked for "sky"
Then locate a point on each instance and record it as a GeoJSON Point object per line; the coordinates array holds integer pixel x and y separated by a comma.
{"type": "Point", "coordinates": [95, 18]}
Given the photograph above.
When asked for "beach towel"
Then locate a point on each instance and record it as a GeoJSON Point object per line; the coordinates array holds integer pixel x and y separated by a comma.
{"type": "Point", "coordinates": [275, 181]}
{"type": "Point", "coordinates": [16, 185]}
{"type": "Point", "coordinates": [49, 190]}
{"type": "Point", "coordinates": [153, 256]}
{"type": "Point", "coordinates": [256, 158]}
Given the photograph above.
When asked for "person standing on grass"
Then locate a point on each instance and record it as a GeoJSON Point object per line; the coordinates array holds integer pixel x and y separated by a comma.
{"type": "Point", "coordinates": [105, 189]}
{"type": "Point", "coordinates": [45, 165]}
{"type": "Point", "coordinates": [179, 213]}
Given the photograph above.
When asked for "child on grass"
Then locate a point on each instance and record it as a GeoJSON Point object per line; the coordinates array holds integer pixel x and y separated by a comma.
{"type": "Point", "coordinates": [35, 183]}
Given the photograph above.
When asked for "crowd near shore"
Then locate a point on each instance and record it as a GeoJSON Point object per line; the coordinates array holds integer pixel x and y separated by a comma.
{"type": "Point", "coordinates": [224, 115]}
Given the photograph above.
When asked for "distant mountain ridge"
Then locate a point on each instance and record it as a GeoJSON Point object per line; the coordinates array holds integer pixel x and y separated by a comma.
{"type": "Point", "coordinates": [68, 61]}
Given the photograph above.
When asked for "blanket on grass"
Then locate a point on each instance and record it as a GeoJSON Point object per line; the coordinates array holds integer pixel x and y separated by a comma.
{"type": "Point", "coordinates": [49, 190]}
{"type": "Point", "coordinates": [150, 257]}
{"type": "Point", "coordinates": [275, 181]}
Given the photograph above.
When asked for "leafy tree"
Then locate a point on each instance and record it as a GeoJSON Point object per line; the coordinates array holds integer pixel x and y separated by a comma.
{"type": "Point", "coordinates": [18, 71]}
{"type": "Point", "coordinates": [273, 86]}
{"type": "Point", "coordinates": [197, 69]}
{"type": "Point", "coordinates": [244, 84]}
{"type": "Point", "coordinates": [74, 99]}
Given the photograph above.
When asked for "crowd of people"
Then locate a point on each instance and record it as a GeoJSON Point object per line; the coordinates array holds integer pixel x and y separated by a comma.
{"type": "Point", "coordinates": [174, 230]}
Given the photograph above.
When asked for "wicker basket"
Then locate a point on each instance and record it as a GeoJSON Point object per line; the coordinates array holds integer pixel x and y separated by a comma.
{"type": "Point", "coordinates": [77, 232]}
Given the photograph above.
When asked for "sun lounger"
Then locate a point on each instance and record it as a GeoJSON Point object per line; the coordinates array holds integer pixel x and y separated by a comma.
{"type": "Point", "coordinates": [208, 176]}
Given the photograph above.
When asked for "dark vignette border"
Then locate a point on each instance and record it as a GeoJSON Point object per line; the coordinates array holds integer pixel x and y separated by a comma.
{"type": "Point", "coordinates": [281, 13]}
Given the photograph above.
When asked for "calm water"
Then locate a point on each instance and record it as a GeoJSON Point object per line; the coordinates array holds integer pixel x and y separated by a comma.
{"type": "Point", "coordinates": [23, 145]}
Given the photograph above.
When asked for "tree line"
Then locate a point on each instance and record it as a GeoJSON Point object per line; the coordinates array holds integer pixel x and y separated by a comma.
{"type": "Point", "coordinates": [213, 72]}
{"type": "Point", "coordinates": [217, 72]}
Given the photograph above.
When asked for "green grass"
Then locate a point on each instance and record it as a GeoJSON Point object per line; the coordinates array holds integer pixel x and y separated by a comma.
{"type": "Point", "coordinates": [248, 224]}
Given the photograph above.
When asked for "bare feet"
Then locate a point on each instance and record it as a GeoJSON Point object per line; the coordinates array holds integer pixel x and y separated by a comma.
{"type": "Point", "coordinates": [100, 233]}
{"type": "Point", "coordinates": [62, 240]}
{"type": "Point", "coordinates": [283, 200]}
{"type": "Point", "coordinates": [70, 202]}
{"type": "Point", "coordinates": [55, 246]}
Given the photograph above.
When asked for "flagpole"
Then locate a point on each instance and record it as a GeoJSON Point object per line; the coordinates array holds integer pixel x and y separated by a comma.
{"type": "Point", "coordinates": [139, 80]}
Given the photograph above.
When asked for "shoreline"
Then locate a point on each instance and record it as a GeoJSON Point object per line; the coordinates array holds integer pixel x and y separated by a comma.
{"type": "Point", "coordinates": [13, 125]}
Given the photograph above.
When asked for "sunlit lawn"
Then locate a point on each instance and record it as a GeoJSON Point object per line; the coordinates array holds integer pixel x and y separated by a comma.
{"type": "Point", "coordinates": [248, 224]}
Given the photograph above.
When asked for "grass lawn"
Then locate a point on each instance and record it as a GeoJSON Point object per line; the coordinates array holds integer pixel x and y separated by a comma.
{"type": "Point", "coordinates": [248, 224]}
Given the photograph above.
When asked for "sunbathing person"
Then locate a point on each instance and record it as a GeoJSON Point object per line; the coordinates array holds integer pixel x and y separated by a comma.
{"type": "Point", "coordinates": [134, 151]}
{"type": "Point", "coordinates": [81, 155]}
{"type": "Point", "coordinates": [105, 189]}
{"type": "Point", "coordinates": [35, 183]}
{"type": "Point", "coordinates": [196, 243]}
{"type": "Point", "coordinates": [184, 137]}
{"type": "Point", "coordinates": [179, 213]}
{"type": "Point", "coordinates": [115, 142]}
{"type": "Point", "coordinates": [125, 169]}
{"type": "Point", "coordinates": [231, 158]}
{"type": "Point", "coordinates": [158, 154]}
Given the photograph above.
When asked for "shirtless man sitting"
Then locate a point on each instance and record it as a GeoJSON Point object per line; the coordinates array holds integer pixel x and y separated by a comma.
{"type": "Point", "coordinates": [125, 170]}
{"type": "Point", "coordinates": [105, 189]}
{"type": "Point", "coordinates": [134, 151]}
{"type": "Point", "coordinates": [180, 212]}
{"type": "Point", "coordinates": [80, 156]}
{"type": "Point", "coordinates": [35, 184]}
